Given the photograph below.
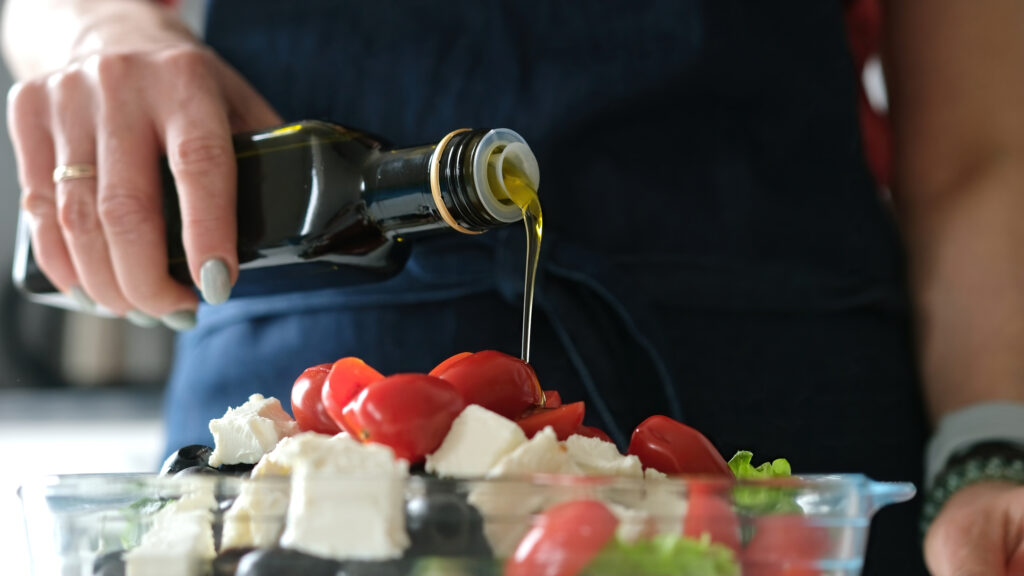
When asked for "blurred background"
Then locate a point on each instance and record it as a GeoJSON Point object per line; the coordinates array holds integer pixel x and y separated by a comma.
{"type": "Point", "coordinates": [77, 393]}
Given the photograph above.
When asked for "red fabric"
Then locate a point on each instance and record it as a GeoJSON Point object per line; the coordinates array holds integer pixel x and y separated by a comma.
{"type": "Point", "coordinates": [864, 34]}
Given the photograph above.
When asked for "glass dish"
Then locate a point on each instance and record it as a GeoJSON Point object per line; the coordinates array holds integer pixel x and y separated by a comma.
{"type": "Point", "coordinates": [80, 525]}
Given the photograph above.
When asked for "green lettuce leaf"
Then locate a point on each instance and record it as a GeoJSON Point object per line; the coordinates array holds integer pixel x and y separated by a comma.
{"type": "Point", "coordinates": [665, 555]}
{"type": "Point", "coordinates": [756, 500]}
{"type": "Point", "coordinates": [743, 469]}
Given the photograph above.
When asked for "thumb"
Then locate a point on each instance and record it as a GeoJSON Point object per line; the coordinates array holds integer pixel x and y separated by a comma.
{"type": "Point", "coordinates": [967, 538]}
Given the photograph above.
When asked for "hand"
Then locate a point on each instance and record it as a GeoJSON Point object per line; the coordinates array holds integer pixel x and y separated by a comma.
{"type": "Point", "coordinates": [979, 532]}
{"type": "Point", "coordinates": [120, 111]}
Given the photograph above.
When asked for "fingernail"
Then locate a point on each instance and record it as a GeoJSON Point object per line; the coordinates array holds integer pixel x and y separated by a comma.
{"type": "Point", "coordinates": [82, 299]}
{"type": "Point", "coordinates": [215, 281]}
{"type": "Point", "coordinates": [180, 321]}
{"type": "Point", "coordinates": [140, 319]}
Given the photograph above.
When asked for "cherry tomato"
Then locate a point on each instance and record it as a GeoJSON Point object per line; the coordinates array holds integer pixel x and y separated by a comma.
{"type": "Point", "coordinates": [440, 368]}
{"type": "Point", "coordinates": [592, 432]}
{"type": "Point", "coordinates": [674, 448]}
{"type": "Point", "coordinates": [563, 540]}
{"type": "Point", "coordinates": [347, 378]}
{"type": "Point", "coordinates": [709, 512]}
{"type": "Point", "coordinates": [552, 399]}
{"type": "Point", "coordinates": [785, 545]}
{"type": "Point", "coordinates": [308, 404]}
{"type": "Point", "coordinates": [499, 382]}
{"type": "Point", "coordinates": [411, 413]}
{"type": "Point", "coordinates": [566, 420]}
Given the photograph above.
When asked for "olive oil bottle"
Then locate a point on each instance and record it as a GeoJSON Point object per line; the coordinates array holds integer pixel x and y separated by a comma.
{"type": "Point", "coordinates": [320, 204]}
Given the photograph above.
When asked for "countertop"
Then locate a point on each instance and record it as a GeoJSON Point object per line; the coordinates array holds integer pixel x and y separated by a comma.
{"type": "Point", "coordinates": [65, 432]}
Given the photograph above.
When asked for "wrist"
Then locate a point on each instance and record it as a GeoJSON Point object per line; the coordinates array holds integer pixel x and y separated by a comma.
{"type": "Point", "coordinates": [988, 463]}
{"type": "Point", "coordinates": [962, 429]}
{"type": "Point", "coordinates": [42, 36]}
{"type": "Point", "coordinates": [128, 26]}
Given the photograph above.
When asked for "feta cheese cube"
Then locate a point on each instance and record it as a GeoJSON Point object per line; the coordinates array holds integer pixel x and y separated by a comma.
{"type": "Point", "coordinates": [347, 499]}
{"type": "Point", "coordinates": [247, 432]}
{"type": "Point", "coordinates": [595, 456]}
{"type": "Point", "coordinates": [255, 519]}
{"type": "Point", "coordinates": [507, 506]}
{"type": "Point", "coordinates": [477, 440]}
{"type": "Point", "coordinates": [180, 540]}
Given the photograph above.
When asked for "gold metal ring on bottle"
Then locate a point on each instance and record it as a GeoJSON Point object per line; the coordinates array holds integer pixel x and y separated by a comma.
{"type": "Point", "coordinates": [435, 185]}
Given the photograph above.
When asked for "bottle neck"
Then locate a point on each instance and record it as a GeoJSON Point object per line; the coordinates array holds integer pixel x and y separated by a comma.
{"type": "Point", "coordinates": [446, 185]}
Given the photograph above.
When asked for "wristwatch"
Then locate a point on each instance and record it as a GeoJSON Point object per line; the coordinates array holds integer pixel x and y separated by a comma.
{"type": "Point", "coordinates": [984, 461]}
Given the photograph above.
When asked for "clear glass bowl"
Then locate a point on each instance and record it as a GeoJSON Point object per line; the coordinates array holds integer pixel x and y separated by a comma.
{"type": "Point", "coordinates": [81, 524]}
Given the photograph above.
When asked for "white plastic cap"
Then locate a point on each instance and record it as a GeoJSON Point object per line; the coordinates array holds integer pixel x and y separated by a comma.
{"type": "Point", "coordinates": [496, 148]}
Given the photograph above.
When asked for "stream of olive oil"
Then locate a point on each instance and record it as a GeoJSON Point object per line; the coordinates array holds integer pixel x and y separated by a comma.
{"type": "Point", "coordinates": [525, 197]}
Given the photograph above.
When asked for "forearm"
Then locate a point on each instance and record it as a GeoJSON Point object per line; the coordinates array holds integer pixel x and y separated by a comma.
{"type": "Point", "coordinates": [40, 36]}
{"type": "Point", "coordinates": [967, 272]}
{"type": "Point", "coordinates": [957, 72]}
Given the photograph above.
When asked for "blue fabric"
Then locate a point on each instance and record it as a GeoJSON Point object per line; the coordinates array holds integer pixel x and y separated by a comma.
{"type": "Point", "coordinates": [714, 247]}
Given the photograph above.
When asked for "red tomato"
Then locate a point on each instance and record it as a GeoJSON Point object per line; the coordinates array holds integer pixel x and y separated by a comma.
{"type": "Point", "coordinates": [785, 545]}
{"type": "Point", "coordinates": [440, 368]}
{"type": "Point", "coordinates": [674, 448]}
{"type": "Point", "coordinates": [592, 432]}
{"type": "Point", "coordinates": [347, 378]}
{"type": "Point", "coordinates": [563, 540]}
{"type": "Point", "coordinates": [552, 399]}
{"type": "Point", "coordinates": [411, 413]}
{"type": "Point", "coordinates": [307, 401]}
{"type": "Point", "coordinates": [499, 382]}
{"type": "Point", "coordinates": [709, 512]}
{"type": "Point", "coordinates": [566, 420]}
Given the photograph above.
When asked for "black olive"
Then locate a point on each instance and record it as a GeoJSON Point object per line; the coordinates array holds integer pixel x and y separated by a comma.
{"type": "Point", "coordinates": [236, 469]}
{"type": "Point", "coordinates": [443, 523]}
{"type": "Point", "coordinates": [282, 562]}
{"type": "Point", "coordinates": [379, 568]}
{"type": "Point", "coordinates": [226, 563]}
{"type": "Point", "coordinates": [109, 564]}
{"type": "Point", "coordinates": [197, 470]}
{"type": "Point", "coordinates": [187, 457]}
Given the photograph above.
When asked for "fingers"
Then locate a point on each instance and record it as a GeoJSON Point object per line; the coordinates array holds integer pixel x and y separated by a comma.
{"type": "Point", "coordinates": [197, 137]}
{"type": "Point", "coordinates": [28, 119]}
{"type": "Point", "coordinates": [106, 234]}
{"type": "Point", "coordinates": [74, 135]}
{"type": "Point", "coordinates": [130, 207]}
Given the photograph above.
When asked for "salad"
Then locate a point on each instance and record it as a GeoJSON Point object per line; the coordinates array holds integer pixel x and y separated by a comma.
{"type": "Point", "coordinates": [341, 471]}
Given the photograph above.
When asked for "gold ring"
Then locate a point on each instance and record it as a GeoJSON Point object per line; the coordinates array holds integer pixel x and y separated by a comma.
{"type": "Point", "coordinates": [73, 172]}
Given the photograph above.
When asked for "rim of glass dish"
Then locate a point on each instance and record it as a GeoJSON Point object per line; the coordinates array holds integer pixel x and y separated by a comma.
{"type": "Point", "coordinates": [803, 481]}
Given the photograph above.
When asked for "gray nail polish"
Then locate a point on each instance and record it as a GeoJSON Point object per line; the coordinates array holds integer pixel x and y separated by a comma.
{"type": "Point", "coordinates": [215, 281]}
{"type": "Point", "coordinates": [141, 319]}
{"type": "Point", "coordinates": [180, 321]}
{"type": "Point", "coordinates": [82, 299]}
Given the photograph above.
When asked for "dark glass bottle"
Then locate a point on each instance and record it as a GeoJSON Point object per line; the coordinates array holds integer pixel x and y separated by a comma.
{"type": "Point", "coordinates": [320, 204]}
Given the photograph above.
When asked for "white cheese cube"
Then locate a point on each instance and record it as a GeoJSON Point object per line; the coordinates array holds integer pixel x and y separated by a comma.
{"type": "Point", "coordinates": [633, 525]}
{"type": "Point", "coordinates": [180, 540]}
{"type": "Point", "coordinates": [347, 499]}
{"type": "Point", "coordinates": [507, 506]}
{"type": "Point", "coordinates": [597, 457]}
{"type": "Point", "coordinates": [477, 440]}
{"type": "Point", "coordinates": [666, 502]}
{"type": "Point", "coordinates": [542, 454]}
{"type": "Point", "coordinates": [255, 519]}
{"type": "Point", "coordinates": [654, 474]}
{"type": "Point", "coordinates": [247, 432]}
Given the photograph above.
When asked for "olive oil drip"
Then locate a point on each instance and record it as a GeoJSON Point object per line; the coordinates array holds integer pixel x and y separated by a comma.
{"type": "Point", "coordinates": [525, 197]}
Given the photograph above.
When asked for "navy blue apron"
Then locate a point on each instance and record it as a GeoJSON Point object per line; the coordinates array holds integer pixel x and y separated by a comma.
{"type": "Point", "coordinates": [714, 247]}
